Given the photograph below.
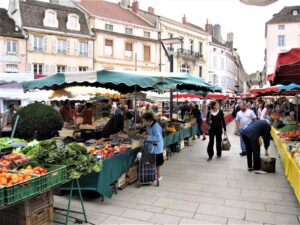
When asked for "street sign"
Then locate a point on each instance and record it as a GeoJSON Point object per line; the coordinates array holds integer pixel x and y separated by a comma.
{"type": "Point", "coordinates": [171, 41]}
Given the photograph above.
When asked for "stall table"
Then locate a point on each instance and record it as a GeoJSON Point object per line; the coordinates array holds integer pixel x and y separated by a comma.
{"type": "Point", "coordinates": [290, 168]}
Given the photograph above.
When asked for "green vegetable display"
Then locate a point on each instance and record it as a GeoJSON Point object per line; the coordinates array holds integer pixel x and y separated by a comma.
{"type": "Point", "coordinates": [288, 128]}
{"type": "Point", "coordinates": [75, 156]}
{"type": "Point", "coordinates": [5, 142]}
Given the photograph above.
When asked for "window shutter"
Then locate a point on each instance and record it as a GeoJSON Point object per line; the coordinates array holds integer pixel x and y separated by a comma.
{"type": "Point", "coordinates": [90, 69]}
{"type": "Point", "coordinates": [69, 69]}
{"type": "Point", "coordinates": [30, 42]}
{"type": "Point", "coordinates": [68, 47]}
{"type": "Point", "coordinates": [53, 69]}
{"type": "Point", "coordinates": [90, 49]}
{"type": "Point", "coordinates": [45, 44]}
{"type": "Point", "coordinates": [74, 69]}
{"type": "Point", "coordinates": [76, 47]}
{"type": "Point", "coordinates": [5, 47]}
{"type": "Point", "coordinates": [29, 68]}
{"type": "Point", "coordinates": [47, 69]}
{"type": "Point", "coordinates": [54, 46]}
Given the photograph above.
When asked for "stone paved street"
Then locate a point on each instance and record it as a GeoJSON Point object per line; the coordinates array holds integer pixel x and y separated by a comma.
{"type": "Point", "coordinates": [194, 191]}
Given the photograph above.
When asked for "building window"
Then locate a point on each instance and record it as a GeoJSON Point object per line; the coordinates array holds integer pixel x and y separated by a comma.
{"type": "Point", "coordinates": [108, 49]}
{"type": "Point", "coordinates": [191, 45]}
{"type": "Point", "coordinates": [147, 53]}
{"type": "Point", "coordinates": [215, 62]}
{"type": "Point", "coordinates": [295, 12]}
{"type": "Point", "coordinates": [222, 63]}
{"type": "Point", "coordinates": [11, 68]}
{"type": "Point", "coordinates": [182, 42]}
{"type": "Point", "coordinates": [82, 68]}
{"type": "Point", "coordinates": [83, 48]}
{"type": "Point", "coordinates": [200, 71]}
{"type": "Point", "coordinates": [281, 40]}
{"type": "Point", "coordinates": [61, 69]}
{"type": "Point", "coordinates": [128, 50]}
{"type": "Point", "coordinates": [37, 43]}
{"type": "Point", "coordinates": [62, 47]}
{"type": "Point", "coordinates": [73, 22]}
{"type": "Point", "coordinates": [37, 68]}
{"type": "Point", "coordinates": [281, 27]}
{"type": "Point", "coordinates": [128, 30]}
{"type": "Point", "coordinates": [11, 47]}
{"type": "Point", "coordinates": [109, 27]}
{"type": "Point", "coordinates": [50, 19]}
{"type": "Point", "coordinates": [146, 34]}
{"type": "Point", "coordinates": [201, 48]}
{"type": "Point", "coordinates": [170, 47]}
{"type": "Point", "coordinates": [185, 68]}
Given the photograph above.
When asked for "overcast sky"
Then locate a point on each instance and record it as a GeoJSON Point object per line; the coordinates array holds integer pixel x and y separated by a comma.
{"type": "Point", "coordinates": [246, 22]}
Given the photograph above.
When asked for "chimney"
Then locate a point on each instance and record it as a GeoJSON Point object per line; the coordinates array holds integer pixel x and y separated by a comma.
{"type": "Point", "coordinates": [207, 26]}
{"type": "Point", "coordinates": [151, 10]}
{"type": "Point", "coordinates": [184, 19]}
{"type": "Point", "coordinates": [125, 3]}
{"type": "Point", "coordinates": [135, 6]}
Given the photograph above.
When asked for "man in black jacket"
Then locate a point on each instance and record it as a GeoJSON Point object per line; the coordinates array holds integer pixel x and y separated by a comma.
{"type": "Point", "coordinates": [251, 135]}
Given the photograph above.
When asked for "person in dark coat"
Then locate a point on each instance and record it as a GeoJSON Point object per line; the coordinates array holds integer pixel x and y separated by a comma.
{"type": "Point", "coordinates": [217, 123]}
{"type": "Point", "coordinates": [251, 135]}
{"type": "Point", "coordinates": [116, 124]}
{"type": "Point", "coordinates": [185, 109]}
{"type": "Point", "coordinates": [199, 119]}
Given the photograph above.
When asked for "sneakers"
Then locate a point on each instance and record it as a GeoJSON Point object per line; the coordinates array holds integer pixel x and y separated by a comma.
{"type": "Point", "coordinates": [260, 172]}
{"type": "Point", "coordinates": [203, 139]}
{"type": "Point", "coordinates": [160, 178]}
{"type": "Point", "coordinates": [209, 159]}
{"type": "Point", "coordinates": [243, 154]}
{"type": "Point", "coordinates": [250, 169]}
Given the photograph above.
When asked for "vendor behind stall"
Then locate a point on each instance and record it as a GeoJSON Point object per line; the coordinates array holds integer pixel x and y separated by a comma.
{"type": "Point", "coordinates": [87, 114]}
{"type": "Point", "coordinates": [116, 124]}
{"type": "Point", "coordinates": [7, 120]}
{"type": "Point", "coordinates": [65, 112]}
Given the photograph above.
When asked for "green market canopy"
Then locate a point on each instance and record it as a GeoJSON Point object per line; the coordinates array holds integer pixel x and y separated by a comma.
{"type": "Point", "coordinates": [122, 81]}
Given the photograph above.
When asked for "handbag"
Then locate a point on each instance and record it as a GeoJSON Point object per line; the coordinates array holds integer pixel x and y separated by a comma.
{"type": "Point", "coordinates": [208, 122]}
{"type": "Point", "coordinates": [268, 164]}
{"type": "Point", "coordinates": [225, 144]}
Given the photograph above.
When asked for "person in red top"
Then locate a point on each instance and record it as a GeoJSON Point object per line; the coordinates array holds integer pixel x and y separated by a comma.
{"type": "Point", "coordinates": [87, 114]}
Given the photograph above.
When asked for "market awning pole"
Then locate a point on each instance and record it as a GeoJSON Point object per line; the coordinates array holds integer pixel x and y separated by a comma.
{"type": "Point", "coordinates": [135, 97]}
{"type": "Point", "coordinates": [297, 107]}
{"type": "Point", "coordinates": [177, 106]}
{"type": "Point", "coordinates": [15, 127]}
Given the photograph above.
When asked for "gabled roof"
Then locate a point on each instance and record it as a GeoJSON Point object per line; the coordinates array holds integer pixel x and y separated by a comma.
{"type": "Point", "coordinates": [8, 26]}
{"type": "Point", "coordinates": [286, 16]}
{"type": "Point", "coordinates": [215, 41]}
{"type": "Point", "coordinates": [113, 11]}
{"type": "Point", "coordinates": [33, 13]}
{"type": "Point", "coordinates": [152, 18]}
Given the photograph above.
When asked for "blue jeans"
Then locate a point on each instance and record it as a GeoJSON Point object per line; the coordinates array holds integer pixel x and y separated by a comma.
{"type": "Point", "coordinates": [243, 146]}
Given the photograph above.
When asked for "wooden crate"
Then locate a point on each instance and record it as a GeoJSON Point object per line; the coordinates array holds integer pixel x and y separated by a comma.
{"type": "Point", "coordinates": [122, 181]}
{"type": "Point", "coordinates": [181, 144]}
{"type": "Point", "coordinates": [131, 175]}
{"type": "Point", "coordinates": [43, 216]}
{"type": "Point", "coordinates": [165, 154]}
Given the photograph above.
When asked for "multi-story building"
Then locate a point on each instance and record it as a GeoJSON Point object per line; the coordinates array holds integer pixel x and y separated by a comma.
{"type": "Point", "coordinates": [123, 39]}
{"type": "Point", "coordinates": [191, 56]}
{"type": "Point", "coordinates": [13, 55]}
{"type": "Point", "coordinates": [58, 37]}
{"type": "Point", "coordinates": [282, 34]}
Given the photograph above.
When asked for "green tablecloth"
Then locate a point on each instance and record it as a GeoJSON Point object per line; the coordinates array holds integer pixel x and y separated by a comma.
{"type": "Point", "coordinates": [113, 169]}
{"type": "Point", "coordinates": [180, 135]}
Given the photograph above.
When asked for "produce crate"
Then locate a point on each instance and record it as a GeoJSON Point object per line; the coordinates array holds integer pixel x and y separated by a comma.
{"type": "Point", "coordinates": [122, 181]}
{"type": "Point", "coordinates": [30, 206]}
{"type": "Point", "coordinates": [57, 174]}
{"type": "Point", "coordinates": [22, 190]}
{"type": "Point", "coordinates": [2, 198]}
{"type": "Point", "coordinates": [41, 217]}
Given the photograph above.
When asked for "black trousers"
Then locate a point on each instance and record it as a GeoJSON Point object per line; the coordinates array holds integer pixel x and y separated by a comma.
{"type": "Point", "coordinates": [210, 147]}
{"type": "Point", "coordinates": [253, 150]}
{"type": "Point", "coordinates": [200, 128]}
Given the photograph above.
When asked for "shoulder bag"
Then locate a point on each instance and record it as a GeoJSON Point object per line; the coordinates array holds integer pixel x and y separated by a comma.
{"type": "Point", "coordinates": [208, 121]}
{"type": "Point", "coordinates": [226, 145]}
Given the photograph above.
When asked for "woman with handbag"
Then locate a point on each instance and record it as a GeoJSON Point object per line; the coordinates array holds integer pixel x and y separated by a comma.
{"type": "Point", "coordinates": [215, 124]}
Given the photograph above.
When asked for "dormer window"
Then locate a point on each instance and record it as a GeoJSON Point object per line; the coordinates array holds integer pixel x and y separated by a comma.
{"type": "Point", "coordinates": [295, 12]}
{"type": "Point", "coordinates": [73, 22]}
{"type": "Point", "coordinates": [50, 19]}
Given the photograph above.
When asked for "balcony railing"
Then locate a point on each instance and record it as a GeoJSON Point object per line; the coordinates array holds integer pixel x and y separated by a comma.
{"type": "Point", "coordinates": [188, 53]}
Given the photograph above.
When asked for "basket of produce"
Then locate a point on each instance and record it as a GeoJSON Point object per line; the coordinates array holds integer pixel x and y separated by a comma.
{"type": "Point", "coordinates": [12, 159]}
{"type": "Point", "coordinates": [50, 175]}
{"type": "Point", "coordinates": [18, 186]}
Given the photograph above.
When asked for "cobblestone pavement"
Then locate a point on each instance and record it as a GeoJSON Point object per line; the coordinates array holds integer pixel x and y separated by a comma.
{"type": "Point", "coordinates": [194, 191]}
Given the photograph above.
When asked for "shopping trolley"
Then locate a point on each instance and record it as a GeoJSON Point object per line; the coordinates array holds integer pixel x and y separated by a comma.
{"type": "Point", "coordinates": [147, 173]}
